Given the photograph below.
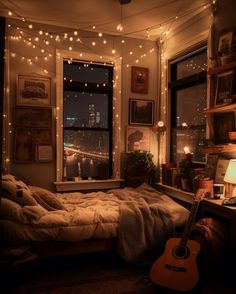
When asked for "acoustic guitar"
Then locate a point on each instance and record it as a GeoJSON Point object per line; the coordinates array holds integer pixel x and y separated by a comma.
{"type": "Point", "coordinates": [176, 268]}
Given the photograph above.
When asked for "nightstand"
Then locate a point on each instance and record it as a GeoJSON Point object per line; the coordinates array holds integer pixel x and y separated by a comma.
{"type": "Point", "coordinates": [227, 214]}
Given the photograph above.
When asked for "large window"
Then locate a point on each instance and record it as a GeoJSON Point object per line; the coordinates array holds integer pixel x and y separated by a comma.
{"type": "Point", "coordinates": [87, 120]}
{"type": "Point", "coordinates": [188, 89]}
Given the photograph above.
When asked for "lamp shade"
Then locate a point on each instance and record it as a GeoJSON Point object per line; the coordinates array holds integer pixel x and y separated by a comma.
{"type": "Point", "coordinates": [230, 175]}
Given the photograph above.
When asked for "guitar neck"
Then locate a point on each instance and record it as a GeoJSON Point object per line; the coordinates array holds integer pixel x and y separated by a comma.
{"type": "Point", "coordinates": [188, 226]}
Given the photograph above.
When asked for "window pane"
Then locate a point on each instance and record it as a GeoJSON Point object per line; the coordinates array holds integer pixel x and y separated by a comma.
{"type": "Point", "coordinates": [86, 73]}
{"type": "Point", "coordinates": [192, 65]}
{"type": "Point", "coordinates": [190, 106]}
{"type": "Point", "coordinates": [191, 138]}
{"type": "Point", "coordinates": [85, 109]}
{"type": "Point", "coordinates": [88, 148]}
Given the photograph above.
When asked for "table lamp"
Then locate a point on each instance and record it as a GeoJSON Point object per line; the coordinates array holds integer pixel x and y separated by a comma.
{"type": "Point", "coordinates": [230, 175]}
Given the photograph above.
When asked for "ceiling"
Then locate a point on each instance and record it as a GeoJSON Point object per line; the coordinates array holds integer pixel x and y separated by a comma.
{"type": "Point", "coordinates": [140, 18]}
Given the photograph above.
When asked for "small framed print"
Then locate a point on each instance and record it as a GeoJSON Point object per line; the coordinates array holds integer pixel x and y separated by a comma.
{"type": "Point", "coordinates": [224, 86]}
{"type": "Point", "coordinates": [221, 168]}
{"type": "Point", "coordinates": [225, 43]}
{"type": "Point", "coordinates": [139, 79]}
{"type": "Point", "coordinates": [44, 153]}
{"type": "Point", "coordinates": [141, 112]}
{"type": "Point", "coordinates": [33, 90]}
{"type": "Point", "coordinates": [224, 122]}
{"type": "Point", "coordinates": [137, 138]}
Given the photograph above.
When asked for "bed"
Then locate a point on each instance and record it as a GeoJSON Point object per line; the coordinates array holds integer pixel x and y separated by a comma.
{"type": "Point", "coordinates": [134, 220]}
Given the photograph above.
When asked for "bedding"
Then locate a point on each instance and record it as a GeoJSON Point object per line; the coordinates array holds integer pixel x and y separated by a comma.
{"type": "Point", "coordinates": [140, 218]}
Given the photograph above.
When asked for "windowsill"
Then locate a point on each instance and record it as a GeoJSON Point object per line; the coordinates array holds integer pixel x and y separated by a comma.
{"type": "Point", "coordinates": [66, 186]}
{"type": "Point", "coordinates": [175, 193]}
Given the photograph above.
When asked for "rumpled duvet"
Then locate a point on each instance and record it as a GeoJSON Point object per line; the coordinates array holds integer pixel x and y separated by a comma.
{"type": "Point", "coordinates": [141, 219]}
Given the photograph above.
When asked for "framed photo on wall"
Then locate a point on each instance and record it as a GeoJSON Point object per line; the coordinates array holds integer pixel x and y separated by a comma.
{"type": "Point", "coordinates": [225, 43]}
{"type": "Point", "coordinates": [141, 112]}
{"type": "Point", "coordinates": [33, 90]}
{"type": "Point", "coordinates": [139, 79]}
{"type": "Point", "coordinates": [137, 138]}
{"type": "Point", "coordinates": [224, 86]}
{"type": "Point", "coordinates": [224, 122]}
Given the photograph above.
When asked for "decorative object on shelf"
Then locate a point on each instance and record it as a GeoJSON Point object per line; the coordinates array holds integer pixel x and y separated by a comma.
{"type": "Point", "coordinates": [224, 87]}
{"type": "Point", "coordinates": [232, 136]}
{"type": "Point", "coordinates": [221, 168]}
{"type": "Point", "coordinates": [33, 90]}
{"type": "Point", "coordinates": [187, 172]}
{"type": "Point", "coordinates": [139, 79]}
{"type": "Point", "coordinates": [137, 138]}
{"type": "Point", "coordinates": [230, 177]}
{"type": "Point", "coordinates": [225, 43]}
{"type": "Point", "coordinates": [141, 112]}
{"type": "Point", "coordinates": [140, 168]}
{"type": "Point", "coordinates": [224, 122]}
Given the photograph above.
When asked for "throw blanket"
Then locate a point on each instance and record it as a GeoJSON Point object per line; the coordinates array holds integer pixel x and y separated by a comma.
{"type": "Point", "coordinates": [144, 223]}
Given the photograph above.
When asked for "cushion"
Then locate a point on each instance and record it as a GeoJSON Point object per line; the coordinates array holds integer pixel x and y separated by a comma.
{"type": "Point", "coordinates": [17, 191]}
{"type": "Point", "coordinates": [10, 210]}
{"type": "Point", "coordinates": [46, 198]}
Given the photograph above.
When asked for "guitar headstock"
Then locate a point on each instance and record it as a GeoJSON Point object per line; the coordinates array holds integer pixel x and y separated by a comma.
{"type": "Point", "coordinates": [200, 194]}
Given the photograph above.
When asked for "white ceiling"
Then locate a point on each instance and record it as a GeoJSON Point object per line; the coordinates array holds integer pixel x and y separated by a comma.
{"type": "Point", "coordinates": [140, 18]}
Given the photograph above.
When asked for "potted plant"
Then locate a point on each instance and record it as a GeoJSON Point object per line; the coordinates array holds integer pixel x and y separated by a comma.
{"type": "Point", "coordinates": [201, 180]}
{"type": "Point", "coordinates": [140, 168]}
{"type": "Point", "coordinates": [187, 172]}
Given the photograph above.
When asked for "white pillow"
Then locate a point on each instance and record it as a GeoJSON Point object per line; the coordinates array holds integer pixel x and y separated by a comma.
{"type": "Point", "coordinates": [17, 191]}
{"type": "Point", "coordinates": [10, 210]}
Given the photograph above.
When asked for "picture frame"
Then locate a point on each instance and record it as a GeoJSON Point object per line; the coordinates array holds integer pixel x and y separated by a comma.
{"type": "Point", "coordinates": [44, 153]}
{"type": "Point", "coordinates": [137, 138]}
{"type": "Point", "coordinates": [224, 86]}
{"type": "Point", "coordinates": [225, 43]}
{"type": "Point", "coordinates": [23, 145]}
{"type": "Point", "coordinates": [42, 136]}
{"type": "Point", "coordinates": [221, 168]}
{"type": "Point", "coordinates": [33, 117]}
{"type": "Point", "coordinates": [139, 79]}
{"type": "Point", "coordinates": [33, 90]}
{"type": "Point", "coordinates": [141, 112]}
{"type": "Point", "coordinates": [224, 122]}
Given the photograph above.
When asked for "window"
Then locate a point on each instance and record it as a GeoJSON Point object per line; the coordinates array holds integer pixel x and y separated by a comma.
{"type": "Point", "coordinates": [87, 117]}
{"type": "Point", "coordinates": [188, 98]}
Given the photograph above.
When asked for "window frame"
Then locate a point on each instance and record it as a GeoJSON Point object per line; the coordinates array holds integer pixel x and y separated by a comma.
{"type": "Point", "coordinates": [116, 108]}
{"type": "Point", "coordinates": [178, 84]}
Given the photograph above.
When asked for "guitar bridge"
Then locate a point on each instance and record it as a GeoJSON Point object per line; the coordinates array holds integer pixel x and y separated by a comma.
{"type": "Point", "coordinates": [175, 268]}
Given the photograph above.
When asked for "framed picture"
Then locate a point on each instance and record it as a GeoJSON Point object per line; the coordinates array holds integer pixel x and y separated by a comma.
{"type": "Point", "coordinates": [141, 112]}
{"type": "Point", "coordinates": [225, 43]}
{"type": "Point", "coordinates": [211, 163]}
{"type": "Point", "coordinates": [137, 138]}
{"type": "Point", "coordinates": [33, 117]}
{"type": "Point", "coordinates": [224, 122]}
{"type": "Point", "coordinates": [139, 79]}
{"type": "Point", "coordinates": [44, 153]}
{"type": "Point", "coordinates": [33, 90]}
{"type": "Point", "coordinates": [224, 86]}
{"type": "Point", "coordinates": [221, 167]}
{"type": "Point", "coordinates": [23, 145]}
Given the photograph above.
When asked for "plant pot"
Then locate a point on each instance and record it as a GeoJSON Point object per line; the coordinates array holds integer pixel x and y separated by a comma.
{"type": "Point", "coordinates": [186, 185]}
{"type": "Point", "coordinates": [206, 184]}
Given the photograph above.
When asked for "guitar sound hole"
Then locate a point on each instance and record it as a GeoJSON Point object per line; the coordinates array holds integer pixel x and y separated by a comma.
{"type": "Point", "coordinates": [181, 252]}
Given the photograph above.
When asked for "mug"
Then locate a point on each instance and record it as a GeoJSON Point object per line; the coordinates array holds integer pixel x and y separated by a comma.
{"type": "Point", "coordinates": [219, 191]}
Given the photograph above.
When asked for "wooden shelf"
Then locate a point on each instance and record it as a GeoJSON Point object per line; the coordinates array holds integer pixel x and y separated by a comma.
{"type": "Point", "coordinates": [221, 148]}
{"type": "Point", "coordinates": [223, 108]}
{"type": "Point", "coordinates": [222, 68]}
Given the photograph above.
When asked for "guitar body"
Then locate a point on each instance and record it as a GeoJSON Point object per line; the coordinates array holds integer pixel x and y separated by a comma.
{"type": "Point", "coordinates": [176, 268]}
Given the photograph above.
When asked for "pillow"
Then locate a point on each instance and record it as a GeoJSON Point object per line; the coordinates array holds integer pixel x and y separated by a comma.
{"type": "Point", "coordinates": [10, 210]}
{"type": "Point", "coordinates": [17, 191]}
{"type": "Point", "coordinates": [46, 198]}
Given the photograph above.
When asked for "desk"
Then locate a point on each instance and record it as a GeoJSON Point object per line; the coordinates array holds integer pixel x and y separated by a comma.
{"type": "Point", "coordinates": [214, 208]}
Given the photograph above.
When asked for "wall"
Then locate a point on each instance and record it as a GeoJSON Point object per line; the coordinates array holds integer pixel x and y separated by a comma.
{"type": "Point", "coordinates": [28, 51]}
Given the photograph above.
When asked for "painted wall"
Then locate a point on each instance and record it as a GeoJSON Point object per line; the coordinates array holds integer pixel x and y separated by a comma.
{"type": "Point", "coordinates": [33, 51]}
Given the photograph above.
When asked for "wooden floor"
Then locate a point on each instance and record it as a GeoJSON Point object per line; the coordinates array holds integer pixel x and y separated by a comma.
{"type": "Point", "coordinates": [218, 279]}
